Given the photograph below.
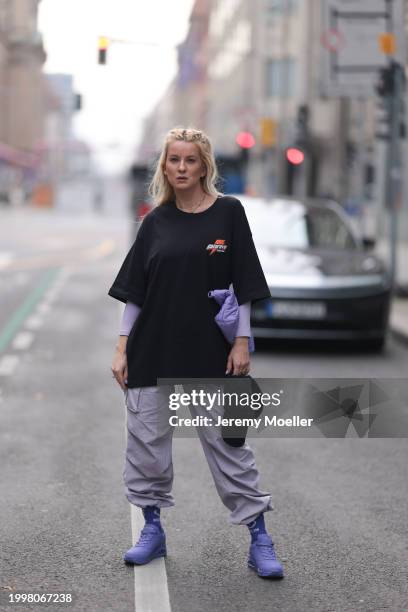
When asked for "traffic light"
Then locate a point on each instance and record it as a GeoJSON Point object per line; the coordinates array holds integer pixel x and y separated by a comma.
{"type": "Point", "coordinates": [245, 140]}
{"type": "Point", "coordinates": [295, 155]}
{"type": "Point", "coordinates": [302, 120]}
{"type": "Point", "coordinates": [387, 79]}
{"type": "Point", "coordinates": [103, 44]}
{"type": "Point", "coordinates": [299, 172]}
{"type": "Point", "coordinates": [391, 82]}
{"type": "Point", "coordinates": [385, 83]}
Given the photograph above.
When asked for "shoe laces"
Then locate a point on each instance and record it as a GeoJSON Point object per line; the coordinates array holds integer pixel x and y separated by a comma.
{"type": "Point", "coordinates": [145, 536]}
{"type": "Point", "coordinates": [267, 549]}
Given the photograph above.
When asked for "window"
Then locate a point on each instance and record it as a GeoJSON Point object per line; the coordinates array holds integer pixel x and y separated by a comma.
{"type": "Point", "coordinates": [292, 225]}
{"type": "Point", "coordinates": [280, 78]}
{"type": "Point", "coordinates": [278, 7]}
{"type": "Point", "coordinates": [231, 55]}
{"type": "Point", "coordinates": [221, 15]}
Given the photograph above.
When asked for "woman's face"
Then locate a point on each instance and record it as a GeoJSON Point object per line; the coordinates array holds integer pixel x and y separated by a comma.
{"type": "Point", "coordinates": [183, 166]}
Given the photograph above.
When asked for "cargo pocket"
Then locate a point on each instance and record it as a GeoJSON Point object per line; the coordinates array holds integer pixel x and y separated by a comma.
{"type": "Point", "coordinates": [148, 403]}
{"type": "Point", "coordinates": [132, 399]}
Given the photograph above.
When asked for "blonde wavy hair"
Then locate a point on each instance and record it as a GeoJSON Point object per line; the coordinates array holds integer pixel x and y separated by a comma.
{"type": "Point", "coordinates": [160, 188]}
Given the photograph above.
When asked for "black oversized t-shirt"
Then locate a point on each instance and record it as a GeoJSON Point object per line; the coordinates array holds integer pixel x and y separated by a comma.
{"type": "Point", "coordinates": [176, 259]}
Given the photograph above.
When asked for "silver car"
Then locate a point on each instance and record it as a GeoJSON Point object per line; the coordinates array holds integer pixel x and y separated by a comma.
{"type": "Point", "coordinates": [324, 284]}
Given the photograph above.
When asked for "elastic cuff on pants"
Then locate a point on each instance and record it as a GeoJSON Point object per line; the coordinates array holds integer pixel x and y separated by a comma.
{"type": "Point", "coordinates": [136, 501]}
{"type": "Point", "coordinates": [252, 517]}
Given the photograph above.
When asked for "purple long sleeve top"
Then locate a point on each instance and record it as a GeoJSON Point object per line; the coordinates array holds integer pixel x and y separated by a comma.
{"type": "Point", "coordinates": [132, 311]}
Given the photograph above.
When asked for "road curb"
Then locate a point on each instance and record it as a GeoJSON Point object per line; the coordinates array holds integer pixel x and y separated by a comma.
{"type": "Point", "coordinates": [399, 335]}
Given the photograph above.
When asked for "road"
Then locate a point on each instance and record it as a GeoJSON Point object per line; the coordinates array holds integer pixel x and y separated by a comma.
{"type": "Point", "coordinates": [340, 504]}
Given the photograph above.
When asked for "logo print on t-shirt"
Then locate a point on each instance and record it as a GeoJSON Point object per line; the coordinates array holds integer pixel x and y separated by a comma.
{"type": "Point", "coordinates": [219, 246]}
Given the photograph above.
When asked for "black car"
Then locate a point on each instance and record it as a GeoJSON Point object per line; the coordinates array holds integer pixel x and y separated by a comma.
{"type": "Point", "coordinates": [324, 284]}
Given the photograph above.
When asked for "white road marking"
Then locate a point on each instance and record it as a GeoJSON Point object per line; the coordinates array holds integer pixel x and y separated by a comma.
{"type": "Point", "coordinates": [51, 294]}
{"type": "Point", "coordinates": [34, 322]}
{"type": "Point", "coordinates": [43, 308]}
{"type": "Point", "coordinates": [23, 340]}
{"type": "Point", "coordinates": [8, 364]}
{"type": "Point", "coordinates": [151, 591]}
{"type": "Point", "coordinates": [5, 259]}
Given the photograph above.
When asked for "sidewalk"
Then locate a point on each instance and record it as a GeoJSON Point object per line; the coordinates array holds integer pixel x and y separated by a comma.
{"type": "Point", "coordinates": [399, 306]}
{"type": "Point", "coordinates": [399, 318]}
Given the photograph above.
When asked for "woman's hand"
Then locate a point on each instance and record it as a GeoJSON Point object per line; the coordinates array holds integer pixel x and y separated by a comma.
{"type": "Point", "coordinates": [119, 363]}
{"type": "Point", "coordinates": [238, 359]}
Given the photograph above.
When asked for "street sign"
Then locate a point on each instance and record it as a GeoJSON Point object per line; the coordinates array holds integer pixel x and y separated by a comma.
{"type": "Point", "coordinates": [354, 44]}
{"type": "Point", "coordinates": [332, 40]}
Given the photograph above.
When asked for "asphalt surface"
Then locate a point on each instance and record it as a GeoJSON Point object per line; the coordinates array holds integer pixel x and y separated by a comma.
{"type": "Point", "coordinates": [64, 519]}
{"type": "Point", "coordinates": [339, 522]}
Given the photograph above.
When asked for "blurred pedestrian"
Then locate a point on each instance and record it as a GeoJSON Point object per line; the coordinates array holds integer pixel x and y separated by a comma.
{"type": "Point", "coordinates": [195, 240]}
{"type": "Point", "coordinates": [98, 197]}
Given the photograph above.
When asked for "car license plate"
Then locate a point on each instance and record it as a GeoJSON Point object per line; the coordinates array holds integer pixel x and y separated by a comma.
{"type": "Point", "coordinates": [296, 310]}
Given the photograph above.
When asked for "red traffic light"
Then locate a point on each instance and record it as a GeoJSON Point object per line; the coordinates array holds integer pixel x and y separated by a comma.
{"type": "Point", "coordinates": [295, 156]}
{"type": "Point", "coordinates": [245, 140]}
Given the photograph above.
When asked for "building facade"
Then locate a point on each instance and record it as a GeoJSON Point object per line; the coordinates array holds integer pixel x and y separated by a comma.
{"type": "Point", "coordinates": [25, 105]}
{"type": "Point", "coordinates": [23, 98]}
{"type": "Point", "coordinates": [186, 101]}
{"type": "Point", "coordinates": [249, 67]}
{"type": "Point", "coordinates": [257, 67]}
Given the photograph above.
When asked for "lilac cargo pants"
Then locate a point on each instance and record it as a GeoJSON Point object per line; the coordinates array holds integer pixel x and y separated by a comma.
{"type": "Point", "coordinates": [148, 471]}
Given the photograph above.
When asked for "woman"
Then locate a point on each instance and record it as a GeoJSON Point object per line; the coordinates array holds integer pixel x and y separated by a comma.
{"type": "Point", "coordinates": [194, 240]}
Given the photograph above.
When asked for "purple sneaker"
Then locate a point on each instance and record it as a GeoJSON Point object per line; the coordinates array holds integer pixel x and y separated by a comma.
{"type": "Point", "coordinates": [262, 558]}
{"type": "Point", "coordinates": [151, 544]}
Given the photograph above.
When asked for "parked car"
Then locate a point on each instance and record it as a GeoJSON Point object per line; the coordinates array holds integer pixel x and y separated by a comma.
{"type": "Point", "coordinates": [324, 283]}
